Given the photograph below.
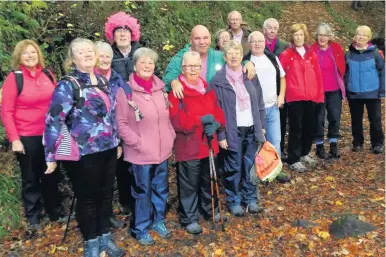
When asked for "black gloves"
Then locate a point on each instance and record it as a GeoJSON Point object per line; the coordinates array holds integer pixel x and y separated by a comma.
{"type": "Point", "coordinates": [207, 119]}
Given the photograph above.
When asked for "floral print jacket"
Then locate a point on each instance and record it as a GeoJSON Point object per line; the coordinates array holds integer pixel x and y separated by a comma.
{"type": "Point", "coordinates": [93, 127]}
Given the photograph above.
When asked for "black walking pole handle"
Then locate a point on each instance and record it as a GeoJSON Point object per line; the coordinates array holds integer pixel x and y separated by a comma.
{"type": "Point", "coordinates": [209, 138]}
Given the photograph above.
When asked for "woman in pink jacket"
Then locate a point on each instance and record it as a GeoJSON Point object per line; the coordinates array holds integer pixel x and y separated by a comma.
{"type": "Point", "coordinates": [147, 144]}
{"type": "Point", "coordinates": [27, 92]}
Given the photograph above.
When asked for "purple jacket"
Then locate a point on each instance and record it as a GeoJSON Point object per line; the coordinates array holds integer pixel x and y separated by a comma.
{"type": "Point", "coordinates": [227, 100]}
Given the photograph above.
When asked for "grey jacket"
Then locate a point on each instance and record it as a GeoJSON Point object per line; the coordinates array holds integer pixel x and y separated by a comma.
{"type": "Point", "coordinates": [227, 100]}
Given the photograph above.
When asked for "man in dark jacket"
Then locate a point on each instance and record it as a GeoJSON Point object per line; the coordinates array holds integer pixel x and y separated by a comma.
{"type": "Point", "coordinates": [239, 32]}
{"type": "Point", "coordinates": [276, 46]}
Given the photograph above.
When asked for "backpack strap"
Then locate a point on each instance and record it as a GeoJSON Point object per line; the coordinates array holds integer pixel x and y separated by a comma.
{"type": "Point", "coordinates": [48, 74]}
{"type": "Point", "coordinates": [138, 114]}
{"type": "Point", "coordinates": [76, 87]}
{"type": "Point", "coordinates": [19, 80]}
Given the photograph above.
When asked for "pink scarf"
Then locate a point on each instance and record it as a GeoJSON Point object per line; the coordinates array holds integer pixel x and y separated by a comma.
{"type": "Point", "coordinates": [235, 78]}
{"type": "Point", "coordinates": [199, 86]}
{"type": "Point", "coordinates": [101, 72]}
{"type": "Point", "coordinates": [271, 46]}
{"type": "Point", "coordinates": [147, 85]}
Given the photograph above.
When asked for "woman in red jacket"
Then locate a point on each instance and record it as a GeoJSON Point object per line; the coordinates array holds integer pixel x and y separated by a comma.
{"type": "Point", "coordinates": [304, 92]}
{"type": "Point", "coordinates": [194, 118]}
{"type": "Point", "coordinates": [333, 66]}
{"type": "Point", "coordinates": [24, 107]}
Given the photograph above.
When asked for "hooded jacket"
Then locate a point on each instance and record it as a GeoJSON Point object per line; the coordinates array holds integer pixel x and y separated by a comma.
{"type": "Point", "coordinates": [303, 75]}
{"type": "Point", "coordinates": [365, 73]}
{"type": "Point", "coordinates": [186, 116]}
{"type": "Point", "coordinates": [149, 140]}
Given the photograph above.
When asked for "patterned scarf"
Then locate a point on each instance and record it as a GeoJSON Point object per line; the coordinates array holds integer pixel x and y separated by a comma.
{"type": "Point", "coordinates": [235, 78]}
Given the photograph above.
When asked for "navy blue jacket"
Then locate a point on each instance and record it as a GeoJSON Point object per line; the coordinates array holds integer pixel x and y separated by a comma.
{"type": "Point", "coordinates": [227, 100]}
{"type": "Point", "coordinates": [365, 74]}
{"type": "Point", "coordinates": [116, 82]}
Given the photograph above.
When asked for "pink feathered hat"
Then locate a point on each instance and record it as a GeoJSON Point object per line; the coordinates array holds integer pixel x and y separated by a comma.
{"type": "Point", "coordinates": [122, 20]}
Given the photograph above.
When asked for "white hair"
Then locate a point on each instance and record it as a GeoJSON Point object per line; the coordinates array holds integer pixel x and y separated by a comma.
{"type": "Point", "coordinates": [190, 54]}
{"type": "Point", "coordinates": [104, 47]}
{"type": "Point", "coordinates": [327, 28]}
{"type": "Point", "coordinates": [254, 33]}
{"type": "Point", "coordinates": [269, 20]}
{"type": "Point", "coordinates": [144, 52]}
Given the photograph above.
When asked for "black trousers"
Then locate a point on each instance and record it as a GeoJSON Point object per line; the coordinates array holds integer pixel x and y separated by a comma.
{"type": "Point", "coordinates": [92, 178]}
{"type": "Point", "coordinates": [38, 189]}
{"type": "Point", "coordinates": [333, 105]}
{"type": "Point", "coordinates": [373, 107]}
{"type": "Point", "coordinates": [302, 120]}
{"type": "Point", "coordinates": [193, 181]}
{"type": "Point", "coordinates": [124, 182]}
{"type": "Point", "coordinates": [283, 125]}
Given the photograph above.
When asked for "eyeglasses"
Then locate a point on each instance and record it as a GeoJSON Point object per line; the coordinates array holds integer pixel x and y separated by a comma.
{"type": "Point", "coordinates": [122, 30]}
{"type": "Point", "coordinates": [224, 38]}
{"type": "Point", "coordinates": [361, 35]}
{"type": "Point", "coordinates": [191, 67]}
{"type": "Point", "coordinates": [323, 35]}
{"type": "Point", "coordinates": [255, 42]}
{"type": "Point", "coordinates": [233, 54]}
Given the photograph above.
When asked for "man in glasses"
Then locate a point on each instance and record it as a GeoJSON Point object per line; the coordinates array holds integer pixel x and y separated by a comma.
{"type": "Point", "coordinates": [238, 29]}
{"type": "Point", "coordinates": [211, 61]}
{"type": "Point", "coordinates": [272, 80]}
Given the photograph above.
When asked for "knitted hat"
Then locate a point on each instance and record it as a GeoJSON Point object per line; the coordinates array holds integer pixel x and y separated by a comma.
{"type": "Point", "coordinates": [122, 20]}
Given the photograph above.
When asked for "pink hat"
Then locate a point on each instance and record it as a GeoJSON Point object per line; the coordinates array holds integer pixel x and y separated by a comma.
{"type": "Point", "coordinates": [122, 20]}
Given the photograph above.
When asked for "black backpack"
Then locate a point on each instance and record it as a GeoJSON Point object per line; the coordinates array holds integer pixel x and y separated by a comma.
{"type": "Point", "coordinates": [20, 80]}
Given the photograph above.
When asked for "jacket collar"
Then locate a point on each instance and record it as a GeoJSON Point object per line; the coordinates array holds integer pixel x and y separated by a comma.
{"type": "Point", "coordinates": [157, 84]}
{"type": "Point", "coordinates": [191, 92]}
{"type": "Point", "coordinates": [371, 47]}
{"type": "Point", "coordinates": [222, 74]}
{"type": "Point", "coordinates": [28, 72]}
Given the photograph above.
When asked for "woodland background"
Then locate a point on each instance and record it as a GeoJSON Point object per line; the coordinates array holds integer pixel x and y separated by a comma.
{"type": "Point", "coordinates": [353, 185]}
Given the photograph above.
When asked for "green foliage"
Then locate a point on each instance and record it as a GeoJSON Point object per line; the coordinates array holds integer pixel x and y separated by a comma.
{"type": "Point", "coordinates": [348, 26]}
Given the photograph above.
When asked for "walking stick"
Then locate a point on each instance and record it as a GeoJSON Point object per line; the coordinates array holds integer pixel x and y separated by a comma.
{"type": "Point", "coordinates": [213, 183]}
{"type": "Point", "coordinates": [68, 220]}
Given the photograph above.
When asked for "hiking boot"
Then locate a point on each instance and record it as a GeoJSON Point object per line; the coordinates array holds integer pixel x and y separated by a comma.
{"type": "Point", "coordinates": [32, 231]}
{"type": "Point", "coordinates": [357, 148]}
{"type": "Point", "coordinates": [253, 208]}
{"type": "Point", "coordinates": [91, 248]}
{"type": "Point", "coordinates": [308, 160]}
{"type": "Point", "coordinates": [146, 239]}
{"type": "Point", "coordinates": [115, 222]}
{"type": "Point", "coordinates": [378, 149]}
{"type": "Point", "coordinates": [334, 151]}
{"type": "Point", "coordinates": [283, 178]}
{"type": "Point", "coordinates": [161, 230]}
{"type": "Point", "coordinates": [237, 211]}
{"type": "Point", "coordinates": [125, 209]}
{"type": "Point", "coordinates": [107, 244]}
{"type": "Point", "coordinates": [298, 167]}
{"type": "Point", "coordinates": [320, 152]}
{"type": "Point", "coordinates": [194, 228]}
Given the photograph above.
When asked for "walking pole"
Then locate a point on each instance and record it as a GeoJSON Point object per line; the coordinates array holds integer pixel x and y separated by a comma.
{"type": "Point", "coordinates": [213, 174]}
{"type": "Point", "coordinates": [211, 181]}
{"type": "Point", "coordinates": [68, 220]}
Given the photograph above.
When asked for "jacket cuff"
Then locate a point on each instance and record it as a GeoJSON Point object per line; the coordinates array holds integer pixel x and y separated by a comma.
{"type": "Point", "coordinates": [221, 134]}
{"type": "Point", "coordinates": [50, 158]}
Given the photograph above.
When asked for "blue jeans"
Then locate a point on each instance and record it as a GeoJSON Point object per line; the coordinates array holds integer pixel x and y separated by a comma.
{"type": "Point", "coordinates": [238, 186]}
{"type": "Point", "coordinates": [273, 127]}
{"type": "Point", "coordinates": [150, 191]}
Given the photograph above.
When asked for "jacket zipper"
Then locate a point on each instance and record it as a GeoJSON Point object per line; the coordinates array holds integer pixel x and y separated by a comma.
{"type": "Point", "coordinates": [159, 131]}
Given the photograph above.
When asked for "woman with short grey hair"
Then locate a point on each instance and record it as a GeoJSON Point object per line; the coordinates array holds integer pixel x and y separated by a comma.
{"type": "Point", "coordinates": [333, 66]}
{"type": "Point", "coordinates": [222, 37]}
{"type": "Point", "coordinates": [148, 138]}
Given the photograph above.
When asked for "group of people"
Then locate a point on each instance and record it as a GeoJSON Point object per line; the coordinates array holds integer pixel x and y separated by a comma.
{"type": "Point", "coordinates": [125, 121]}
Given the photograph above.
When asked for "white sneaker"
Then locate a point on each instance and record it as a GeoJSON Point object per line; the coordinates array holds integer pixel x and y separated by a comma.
{"type": "Point", "coordinates": [298, 167]}
{"type": "Point", "coordinates": [307, 159]}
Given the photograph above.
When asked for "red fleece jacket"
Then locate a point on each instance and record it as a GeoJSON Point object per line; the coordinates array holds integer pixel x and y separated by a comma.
{"type": "Point", "coordinates": [24, 114]}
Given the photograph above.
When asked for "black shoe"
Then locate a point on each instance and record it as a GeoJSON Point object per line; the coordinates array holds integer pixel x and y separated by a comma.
{"type": "Point", "coordinates": [32, 231]}
{"type": "Point", "coordinates": [357, 148]}
{"type": "Point", "coordinates": [334, 151]}
{"type": "Point", "coordinates": [320, 152]}
{"type": "Point", "coordinates": [378, 149]}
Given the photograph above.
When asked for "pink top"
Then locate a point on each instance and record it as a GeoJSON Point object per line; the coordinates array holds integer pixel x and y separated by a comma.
{"type": "Point", "coordinates": [204, 67]}
{"type": "Point", "coordinates": [238, 37]}
{"type": "Point", "coordinates": [24, 115]}
{"type": "Point", "coordinates": [99, 71]}
{"type": "Point", "coordinates": [329, 70]}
